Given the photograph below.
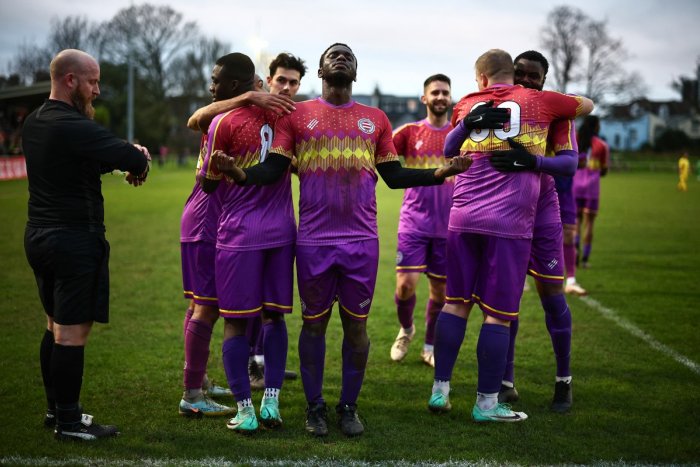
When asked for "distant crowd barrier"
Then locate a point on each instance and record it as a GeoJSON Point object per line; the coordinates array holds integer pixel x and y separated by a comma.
{"type": "Point", "coordinates": [12, 168]}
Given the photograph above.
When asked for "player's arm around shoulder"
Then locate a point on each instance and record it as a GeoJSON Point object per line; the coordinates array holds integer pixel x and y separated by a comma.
{"type": "Point", "coordinates": [568, 105]}
{"type": "Point", "coordinates": [202, 118]}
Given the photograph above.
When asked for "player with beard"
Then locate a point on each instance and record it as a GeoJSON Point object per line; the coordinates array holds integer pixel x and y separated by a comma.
{"type": "Point", "coordinates": [339, 144]}
{"type": "Point", "coordinates": [423, 219]}
{"type": "Point", "coordinates": [547, 259]}
{"type": "Point", "coordinates": [66, 152]}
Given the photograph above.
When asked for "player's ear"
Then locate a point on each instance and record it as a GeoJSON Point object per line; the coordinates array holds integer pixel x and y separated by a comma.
{"type": "Point", "coordinates": [320, 73]}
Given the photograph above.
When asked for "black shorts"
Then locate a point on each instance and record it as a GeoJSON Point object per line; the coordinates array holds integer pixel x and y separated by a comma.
{"type": "Point", "coordinates": [71, 268]}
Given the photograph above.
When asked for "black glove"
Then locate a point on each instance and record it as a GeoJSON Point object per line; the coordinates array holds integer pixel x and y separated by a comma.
{"type": "Point", "coordinates": [513, 160]}
{"type": "Point", "coordinates": [486, 116]}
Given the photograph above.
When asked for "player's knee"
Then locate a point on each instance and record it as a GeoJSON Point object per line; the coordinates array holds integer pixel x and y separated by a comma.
{"type": "Point", "coordinates": [208, 314]}
{"type": "Point", "coordinates": [549, 289]}
{"type": "Point", "coordinates": [234, 327]}
{"type": "Point", "coordinates": [356, 334]}
{"type": "Point", "coordinates": [405, 290]}
{"type": "Point", "coordinates": [315, 328]}
{"type": "Point", "coordinates": [437, 291]}
{"type": "Point", "coordinates": [269, 316]}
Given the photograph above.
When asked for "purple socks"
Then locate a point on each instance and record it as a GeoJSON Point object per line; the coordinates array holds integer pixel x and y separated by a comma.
{"type": "Point", "coordinates": [235, 354]}
{"type": "Point", "coordinates": [197, 340]}
{"type": "Point", "coordinates": [432, 310]}
{"type": "Point", "coordinates": [509, 374]}
{"type": "Point", "coordinates": [275, 340]}
{"type": "Point", "coordinates": [312, 357]}
{"type": "Point", "coordinates": [557, 317]}
{"type": "Point", "coordinates": [449, 335]}
{"type": "Point", "coordinates": [491, 353]}
{"type": "Point", "coordinates": [404, 309]}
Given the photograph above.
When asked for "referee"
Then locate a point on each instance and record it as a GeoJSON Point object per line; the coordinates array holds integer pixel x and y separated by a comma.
{"type": "Point", "coordinates": [66, 152]}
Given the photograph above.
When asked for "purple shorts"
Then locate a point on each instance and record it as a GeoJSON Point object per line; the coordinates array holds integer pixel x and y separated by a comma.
{"type": "Point", "coordinates": [418, 253]}
{"type": "Point", "coordinates": [547, 254]}
{"type": "Point", "coordinates": [346, 273]}
{"type": "Point", "coordinates": [198, 272]}
{"type": "Point", "coordinates": [248, 281]}
{"type": "Point", "coordinates": [567, 207]}
{"type": "Point", "coordinates": [487, 270]}
{"type": "Point", "coordinates": [589, 205]}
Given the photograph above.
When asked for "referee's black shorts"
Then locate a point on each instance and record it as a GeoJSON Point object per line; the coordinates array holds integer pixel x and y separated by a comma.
{"type": "Point", "coordinates": [72, 273]}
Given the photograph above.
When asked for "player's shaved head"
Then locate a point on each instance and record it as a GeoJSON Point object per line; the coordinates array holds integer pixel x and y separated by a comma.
{"type": "Point", "coordinates": [70, 61]}
{"type": "Point", "coordinates": [496, 65]}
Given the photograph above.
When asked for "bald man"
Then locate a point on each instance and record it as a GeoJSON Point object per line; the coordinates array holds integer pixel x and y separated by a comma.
{"type": "Point", "coordinates": [66, 152]}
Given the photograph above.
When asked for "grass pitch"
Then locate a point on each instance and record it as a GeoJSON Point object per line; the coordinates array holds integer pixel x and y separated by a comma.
{"type": "Point", "coordinates": [632, 402]}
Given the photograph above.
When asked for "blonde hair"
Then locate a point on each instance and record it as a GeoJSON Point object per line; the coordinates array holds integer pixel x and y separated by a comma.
{"type": "Point", "coordinates": [495, 64]}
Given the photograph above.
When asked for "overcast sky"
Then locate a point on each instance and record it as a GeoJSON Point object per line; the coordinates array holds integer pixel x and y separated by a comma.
{"type": "Point", "coordinates": [399, 43]}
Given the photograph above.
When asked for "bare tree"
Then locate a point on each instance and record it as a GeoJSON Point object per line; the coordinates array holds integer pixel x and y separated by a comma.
{"type": "Point", "coordinates": [192, 70]}
{"type": "Point", "coordinates": [72, 32]}
{"type": "Point", "coordinates": [561, 38]}
{"type": "Point", "coordinates": [582, 51]}
{"type": "Point", "coordinates": [604, 74]}
{"type": "Point", "coordinates": [31, 61]}
{"type": "Point", "coordinates": [154, 36]}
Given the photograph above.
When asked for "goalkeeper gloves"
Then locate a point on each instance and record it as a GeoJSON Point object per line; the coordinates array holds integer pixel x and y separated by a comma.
{"type": "Point", "coordinates": [486, 116]}
{"type": "Point", "coordinates": [516, 159]}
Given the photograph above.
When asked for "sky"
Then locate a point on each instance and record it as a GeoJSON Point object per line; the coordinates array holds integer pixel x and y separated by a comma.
{"type": "Point", "coordinates": [398, 43]}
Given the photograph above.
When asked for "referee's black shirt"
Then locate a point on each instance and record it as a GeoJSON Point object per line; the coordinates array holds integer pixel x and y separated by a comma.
{"type": "Point", "coordinates": [66, 154]}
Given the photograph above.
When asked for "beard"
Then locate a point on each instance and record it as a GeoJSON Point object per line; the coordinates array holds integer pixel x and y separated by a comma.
{"type": "Point", "coordinates": [438, 112]}
{"type": "Point", "coordinates": [82, 103]}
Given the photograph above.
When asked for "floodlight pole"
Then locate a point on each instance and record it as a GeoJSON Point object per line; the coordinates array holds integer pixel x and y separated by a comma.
{"type": "Point", "coordinates": [130, 97]}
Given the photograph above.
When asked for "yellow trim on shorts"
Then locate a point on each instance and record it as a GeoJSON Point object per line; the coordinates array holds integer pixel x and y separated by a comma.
{"type": "Point", "coordinates": [240, 312]}
{"type": "Point", "coordinates": [353, 314]}
{"type": "Point", "coordinates": [454, 299]}
{"type": "Point", "coordinates": [277, 305]}
{"type": "Point", "coordinates": [436, 276]}
{"type": "Point", "coordinates": [544, 276]}
{"type": "Point", "coordinates": [491, 309]}
{"type": "Point", "coordinates": [412, 267]}
{"type": "Point", "coordinates": [212, 299]}
{"type": "Point", "coordinates": [318, 315]}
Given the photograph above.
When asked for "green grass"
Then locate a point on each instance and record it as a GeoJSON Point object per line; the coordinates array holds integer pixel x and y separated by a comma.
{"type": "Point", "coordinates": [631, 402]}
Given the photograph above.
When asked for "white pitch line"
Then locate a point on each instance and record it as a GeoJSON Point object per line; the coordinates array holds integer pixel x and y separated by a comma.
{"type": "Point", "coordinates": [222, 462]}
{"type": "Point", "coordinates": [635, 331]}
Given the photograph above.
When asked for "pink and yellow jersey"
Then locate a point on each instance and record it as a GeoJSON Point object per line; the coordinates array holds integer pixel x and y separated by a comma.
{"type": "Point", "coordinates": [489, 202]}
{"type": "Point", "coordinates": [426, 209]}
{"type": "Point", "coordinates": [200, 218]}
{"type": "Point", "coordinates": [252, 217]}
{"type": "Point", "coordinates": [561, 137]}
{"type": "Point", "coordinates": [337, 148]}
{"type": "Point", "coordinates": [587, 179]}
